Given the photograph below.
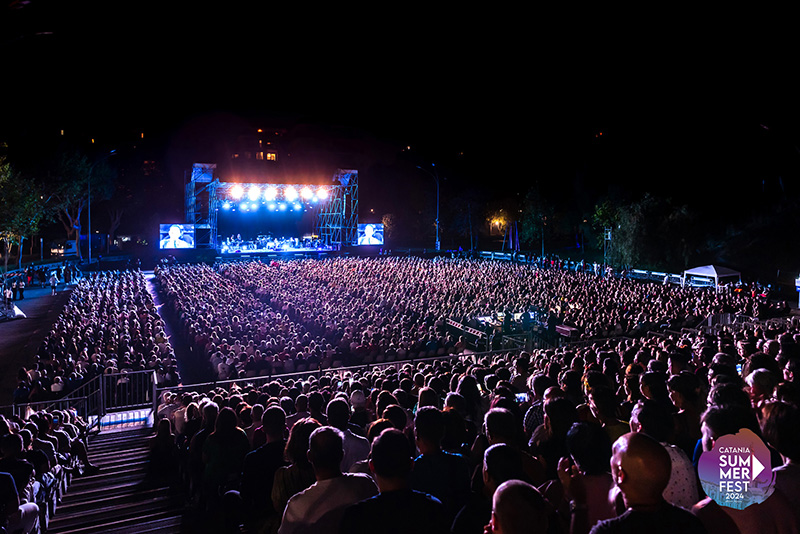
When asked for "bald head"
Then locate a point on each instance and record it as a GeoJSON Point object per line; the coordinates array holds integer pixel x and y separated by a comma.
{"type": "Point", "coordinates": [518, 508]}
{"type": "Point", "coordinates": [641, 468]}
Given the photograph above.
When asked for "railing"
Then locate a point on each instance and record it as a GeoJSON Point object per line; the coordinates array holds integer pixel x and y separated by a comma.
{"type": "Point", "coordinates": [334, 372]}
{"type": "Point", "coordinates": [99, 397]}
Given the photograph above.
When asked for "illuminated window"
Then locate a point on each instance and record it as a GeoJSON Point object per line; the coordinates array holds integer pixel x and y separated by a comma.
{"type": "Point", "coordinates": [271, 156]}
{"type": "Point", "coordinates": [259, 155]}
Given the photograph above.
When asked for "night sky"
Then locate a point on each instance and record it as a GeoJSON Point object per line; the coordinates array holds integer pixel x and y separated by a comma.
{"type": "Point", "coordinates": [588, 111]}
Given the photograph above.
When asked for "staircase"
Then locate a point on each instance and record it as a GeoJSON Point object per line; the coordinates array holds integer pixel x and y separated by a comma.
{"type": "Point", "coordinates": [119, 499]}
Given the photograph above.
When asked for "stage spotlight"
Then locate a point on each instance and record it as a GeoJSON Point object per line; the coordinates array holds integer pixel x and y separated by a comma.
{"type": "Point", "coordinates": [237, 191]}
{"type": "Point", "coordinates": [253, 193]}
{"type": "Point", "coordinates": [270, 194]}
{"type": "Point", "coordinates": [290, 194]}
{"type": "Point", "coordinates": [226, 205]}
{"type": "Point", "coordinates": [297, 206]}
{"type": "Point", "coordinates": [306, 193]}
{"type": "Point", "coordinates": [282, 206]}
{"type": "Point", "coordinates": [243, 206]}
{"type": "Point", "coordinates": [322, 193]}
{"type": "Point", "coordinates": [254, 206]}
{"type": "Point", "coordinates": [272, 206]}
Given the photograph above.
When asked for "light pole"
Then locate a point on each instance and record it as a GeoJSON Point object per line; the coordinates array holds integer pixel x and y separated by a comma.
{"type": "Point", "coordinates": [89, 204]}
{"type": "Point", "coordinates": [436, 178]}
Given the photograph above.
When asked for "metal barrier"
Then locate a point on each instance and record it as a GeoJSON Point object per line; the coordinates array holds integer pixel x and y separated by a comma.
{"type": "Point", "coordinates": [103, 395]}
{"type": "Point", "coordinates": [335, 372]}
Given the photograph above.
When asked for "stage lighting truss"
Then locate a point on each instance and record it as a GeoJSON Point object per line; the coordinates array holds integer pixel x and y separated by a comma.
{"type": "Point", "coordinates": [274, 197]}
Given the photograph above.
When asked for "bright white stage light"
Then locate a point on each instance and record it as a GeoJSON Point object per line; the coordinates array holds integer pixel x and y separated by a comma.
{"type": "Point", "coordinates": [272, 206]}
{"type": "Point", "coordinates": [253, 193]}
{"type": "Point", "coordinates": [270, 194]}
{"type": "Point", "coordinates": [306, 193]}
{"type": "Point", "coordinates": [254, 206]}
{"type": "Point", "coordinates": [290, 194]}
{"type": "Point", "coordinates": [244, 206]}
{"type": "Point", "coordinates": [237, 192]}
{"type": "Point", "coordinates": [226, 205]}
{"type": "Point", "coordinates": [322, 193]}
{"type": "Point", "coordinates": [297, 206]}
{"type": "Point", "coordinates": [282, 206]}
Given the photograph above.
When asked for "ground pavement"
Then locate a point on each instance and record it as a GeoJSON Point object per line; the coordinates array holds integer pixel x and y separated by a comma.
{"type": "Point", "coordinates": [21, 338]}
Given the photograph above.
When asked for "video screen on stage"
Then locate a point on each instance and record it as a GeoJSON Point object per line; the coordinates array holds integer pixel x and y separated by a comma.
{"type": "Point", "coordinates": [370, 234]}
{"type": "Point", "coordinates": [176, 236]}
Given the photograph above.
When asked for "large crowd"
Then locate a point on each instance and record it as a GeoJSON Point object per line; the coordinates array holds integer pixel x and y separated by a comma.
{"type": "Point", "coordinates": [109, 325]}
{"type": "Point", "coordinates": [603, 436]}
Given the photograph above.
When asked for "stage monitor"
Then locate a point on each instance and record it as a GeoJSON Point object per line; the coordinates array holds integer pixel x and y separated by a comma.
{"type": "Point", "coordinates": [176, 236]}
{"type": "Point", "coordinates": [370, 234]}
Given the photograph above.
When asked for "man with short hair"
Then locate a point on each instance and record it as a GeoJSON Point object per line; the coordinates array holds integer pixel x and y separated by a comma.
{"type": "Point", "coordinates": [320, 507]}
{"type": "Point", "coordinates": [356, 448]}
{"type": "Point", "coordinates": [398, 509]}
{"type": "Point", "coordinates": [444, 475]}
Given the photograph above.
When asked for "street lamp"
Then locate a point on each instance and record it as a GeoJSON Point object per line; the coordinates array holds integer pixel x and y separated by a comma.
{"type": "Point", "coordinates": [435, 176]}
{"type": "Point", "coordinates": [89, 204]}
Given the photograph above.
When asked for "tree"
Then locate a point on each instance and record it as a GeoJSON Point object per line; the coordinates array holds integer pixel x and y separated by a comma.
{"type": "Point", "coordinates": [75, 175]}
{"type": "Point", "coordinates": [24, 209]}
{"type": "Point", "coordinates": [537, 217]}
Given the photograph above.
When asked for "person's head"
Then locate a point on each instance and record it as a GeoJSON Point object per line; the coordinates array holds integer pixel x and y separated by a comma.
{"type": "Point", "coordinates": [684, 389]}
{"type": "Point", "coordinates": [501, 462]}
{"type": "Point", "coordinates": [589, 447]}
{"type": "Point", "coordinates": [338, 413]}
{"type": "Point", "coordinates": [653, 419]}
{"type": "Point", "coordinates": [760, 385]}
{"type": "Point", "coordinates": [226, 420]}
{"type": "Point", "coordinates": [175, 231]}
{"type": "Point", "coordinates": [11, 445]}
{"type": "Point", "coordinates": [397, 415]}
{"type": "Point", "coordinates": [164, 427]}
{"type": "Point", "coordinates": [501, 426]}
{"type": "Point", "coordinates": [518, 508]}
{"type": "Point", "coordinates": [603, 403]}
{"type": "Point", "coordinates": [429, 428]}
{"type": "Point", "coordinates": [390, 456]}
{"type": "Point", "coordinates": [641, 468]}
{"type": "Point", "coordinates": [326, 450]}
{"type": "Point", "coordinates": [780, 424]}
{"type": "Point", "coordinates": [297, 444]}
{"type": "Point", "coordinates": [559, 414]}
{"type": "Point", "coordinates": [273, 422]}
{"type": "Point", "coordinates": [722, 420]}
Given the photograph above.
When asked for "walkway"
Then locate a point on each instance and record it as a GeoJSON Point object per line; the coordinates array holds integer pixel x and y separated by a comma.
{"type": "Point", "coordinates": [20, 338]}
{"type": "Point", "coordinates": [190, 371]}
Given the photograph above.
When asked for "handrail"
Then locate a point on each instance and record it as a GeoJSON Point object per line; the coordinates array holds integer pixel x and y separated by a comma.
{"type": "Point", "coordinates": [320, 372]}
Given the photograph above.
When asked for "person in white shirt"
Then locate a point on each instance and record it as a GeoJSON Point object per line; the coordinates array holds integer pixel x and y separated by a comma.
{"type": "Point", "coordinates": [320, 507]}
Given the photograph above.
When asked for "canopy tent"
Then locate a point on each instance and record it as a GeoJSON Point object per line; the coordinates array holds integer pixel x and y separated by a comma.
{"type": "Point", "coordinates": [715, 272]}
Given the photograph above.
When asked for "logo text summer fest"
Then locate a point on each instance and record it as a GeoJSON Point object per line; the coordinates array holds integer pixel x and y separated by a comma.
{"type": "Point", "coordinates": [736, 472]}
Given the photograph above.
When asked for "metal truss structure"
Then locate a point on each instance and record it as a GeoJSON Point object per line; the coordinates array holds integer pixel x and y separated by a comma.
{"type": "Point", "coordinates": [337, 217]}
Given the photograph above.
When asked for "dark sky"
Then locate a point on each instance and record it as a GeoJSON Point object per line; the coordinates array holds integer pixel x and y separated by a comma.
{"type": "Point", "coordinates": [521, 101]}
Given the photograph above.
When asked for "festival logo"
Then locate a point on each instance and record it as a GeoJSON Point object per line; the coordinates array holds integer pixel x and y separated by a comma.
{"type": "Point", "coordinates": [737, 471]}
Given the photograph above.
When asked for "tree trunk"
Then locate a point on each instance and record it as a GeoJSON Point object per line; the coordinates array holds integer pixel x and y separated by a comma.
{"type": "Point", "coordinates": [21, 240]}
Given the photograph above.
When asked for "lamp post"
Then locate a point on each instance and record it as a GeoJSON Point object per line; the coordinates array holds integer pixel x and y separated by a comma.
{"type": "Point", "coordinates": [89, 204]}
{"type": "Point", "coordinates": [435, 176]}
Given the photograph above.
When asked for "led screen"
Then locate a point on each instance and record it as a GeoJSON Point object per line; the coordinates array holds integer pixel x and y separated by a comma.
{"type": "Point", "coordinates": [370, 234]}
{"type": "Point", "coordinates": [176, 236]}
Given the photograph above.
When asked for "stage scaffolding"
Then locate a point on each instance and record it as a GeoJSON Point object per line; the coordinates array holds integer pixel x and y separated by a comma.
{"type": "Point", "coordinates": [337, 217]}
{"type": "Point", "coordinates": [338, 220]}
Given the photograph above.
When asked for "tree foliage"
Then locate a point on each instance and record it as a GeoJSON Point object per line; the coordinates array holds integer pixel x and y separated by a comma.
{"type": "Point", "coordinates": [24, 209]}
{"type": "Point", "coordinates": [78, 181]}
{"type": "Point", "coordinates": [647, 233]}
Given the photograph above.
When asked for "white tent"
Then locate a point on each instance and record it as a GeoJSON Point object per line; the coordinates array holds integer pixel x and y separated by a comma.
{"type": "Point", "coordinates": [714, 272]}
